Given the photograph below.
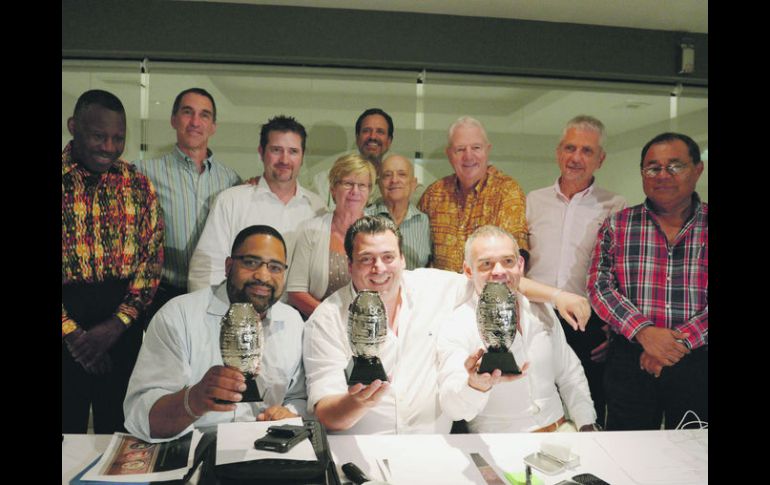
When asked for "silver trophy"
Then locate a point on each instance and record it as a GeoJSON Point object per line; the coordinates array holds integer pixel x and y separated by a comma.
{"type": "Point", "coordinates": [367, 330]}
{"type": "Point", "coordinates": [240, 340]}
{"type": "Point", "coordinates": [496, 316]}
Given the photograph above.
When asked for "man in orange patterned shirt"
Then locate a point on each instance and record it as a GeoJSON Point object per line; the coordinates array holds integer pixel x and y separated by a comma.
{"type": "Point", "coordinates": [477, 194]}
{"type": "Point", "coordinates": [112, 256]}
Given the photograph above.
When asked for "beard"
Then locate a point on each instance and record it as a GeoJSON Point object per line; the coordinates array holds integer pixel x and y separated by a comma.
{"type": "Point", "coordinates": [261, 303]}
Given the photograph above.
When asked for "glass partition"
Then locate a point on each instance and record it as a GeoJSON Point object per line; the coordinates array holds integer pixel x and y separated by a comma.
{"type": "Point", "coordinates": [523, 116]}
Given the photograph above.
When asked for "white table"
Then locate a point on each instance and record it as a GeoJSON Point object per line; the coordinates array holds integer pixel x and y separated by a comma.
{"type": "Point", "coordinates": [637, 457]}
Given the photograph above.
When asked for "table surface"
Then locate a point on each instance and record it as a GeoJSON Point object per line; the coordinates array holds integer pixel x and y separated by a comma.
{"type": "Point", "coordinates": [632, 457]}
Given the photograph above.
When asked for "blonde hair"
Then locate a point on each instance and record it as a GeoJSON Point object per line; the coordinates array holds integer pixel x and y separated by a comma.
{"type": "Point", "coordinates": [351, 164]}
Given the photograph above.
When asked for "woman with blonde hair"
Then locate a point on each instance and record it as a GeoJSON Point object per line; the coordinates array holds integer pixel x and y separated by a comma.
{"type": "Point", "coordinates": [320, 265]}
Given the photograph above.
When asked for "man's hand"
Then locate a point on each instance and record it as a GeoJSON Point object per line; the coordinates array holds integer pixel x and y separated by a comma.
{"type": "Point", "coordinates": [101, 367]}
{"type": "Point", "coordinates": [219, 382]}
{"type": "Point", "coordinates": [662, 344]}
{"type": "Point", "coordinates": [650, 364]}
{"type": "Point", "coordinates": [88, 347]}
{"type": "Point", "coordinates": [599, 353]}
{"type": "Point", "coordinates": [486, 381]}
{"type": "Point", "coordinates": [573, 308]}
{"type": "Point", "coordinates": [589, 427]}
{"type": "Point", "coordinates": [274, 413]}
{"type": "Point", "coordinates": [368, 396]}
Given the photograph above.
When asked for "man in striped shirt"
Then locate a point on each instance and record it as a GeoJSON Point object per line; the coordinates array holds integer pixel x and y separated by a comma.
{"type": "Point", "coordinates": [187, 181]}
{"type": "Point", "coordinates": [649, 280]}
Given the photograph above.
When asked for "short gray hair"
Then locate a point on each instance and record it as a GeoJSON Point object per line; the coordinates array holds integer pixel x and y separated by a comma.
{"type": "Point", "coordinates": [465, 121]}
{"type": "Point", "coordinates": [587, 123]}
{"type": "Point", "coordinates": [487, 231]}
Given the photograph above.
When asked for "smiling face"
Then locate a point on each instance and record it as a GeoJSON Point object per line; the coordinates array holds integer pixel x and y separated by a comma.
{"type": "Point", "coordinates": [98, 137]}
{"type": "Point", "coordinates": [257, 286]}
{"type": "Point", "coordinates": [282, 156]}
{"type": "Point", "coordinates": [373, 139]}
{"type": "Point", "coordinates": [668, 191]}
{"type": "Point", "coordinates": [468, 152]}
{"type": "Point", "coordinates": [377, 264]}
{"type": "Point", "coordinates": [396, 181]}
{"type": "Point", "coordinates": [351, 192]}
{"type": "Point", "coordinates": [194, 122]}
{"type": "Point", "coordinates": [579, 155]}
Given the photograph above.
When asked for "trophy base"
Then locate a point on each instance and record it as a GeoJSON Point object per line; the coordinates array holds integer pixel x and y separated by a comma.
{"type": "Point", "coordinates": [498, 360]}
{"type": "Point", "coordinates": [251, 394]}
{"type": "Point", "coordinates": [365, 370]}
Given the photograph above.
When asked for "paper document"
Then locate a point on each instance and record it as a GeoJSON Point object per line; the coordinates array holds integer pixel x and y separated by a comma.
{"type": "Point", "coordinates": [235, 442]}
{"type": "Point", "coordinates": [131, 460]}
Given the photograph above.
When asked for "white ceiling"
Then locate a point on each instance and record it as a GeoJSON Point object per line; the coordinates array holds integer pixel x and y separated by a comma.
{"type": "Point", "coordinates": [673, 15]}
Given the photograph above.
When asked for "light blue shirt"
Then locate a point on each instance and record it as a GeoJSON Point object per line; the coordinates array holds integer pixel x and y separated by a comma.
{"type": "Point", "coordinates": [185, 196]}
{"type": "Point", "coordinates": [182, 344]}
{"type": "Point", "coordinates": [415, 231]}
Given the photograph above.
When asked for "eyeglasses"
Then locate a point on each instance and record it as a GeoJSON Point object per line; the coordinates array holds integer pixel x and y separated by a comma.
{"type": "Point", "coordinates": [253, 263]}
{"type": "Point", "coordinates": [349, 185]}
{"type": "Point", "coordinates": [672, 169]}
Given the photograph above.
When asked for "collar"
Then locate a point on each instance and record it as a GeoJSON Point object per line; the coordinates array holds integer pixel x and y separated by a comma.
{"type": "Point", "coordinates": [70, 165]}
{"type": "Point", "coordinates": [379, 207]}
{"type": "Point", "coordinates": [481, 184]}
{"type": "Point", "coordinates": [182, 157]}
{"type": "Point", "coordinates": [583, 193]}
{"type": "Point", "coordinates": [696, 203]}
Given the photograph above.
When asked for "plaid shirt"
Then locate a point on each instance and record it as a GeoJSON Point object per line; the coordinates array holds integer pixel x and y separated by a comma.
{"type": "Point", "coordinates": [638, 279]}
{"type": "Point", "coordinates": [497, 199]}
{"type": "Point", "coordinates": [111, 229]}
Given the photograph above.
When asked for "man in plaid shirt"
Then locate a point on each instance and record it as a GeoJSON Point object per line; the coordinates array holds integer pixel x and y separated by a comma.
{"type": "Point", "coordinates": [649, 280]}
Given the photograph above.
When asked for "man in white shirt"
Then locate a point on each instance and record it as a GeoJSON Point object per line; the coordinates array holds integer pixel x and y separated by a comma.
{"type": "Point", "coordinates": [276, 200]}
{"type": "Point", "coordinates": [563, 221]}
{"type": "Point", "coordinates": [417, 303]}
{"type": "Point", "coordinates": [179, 372]}
{"type": "Point", "coordinates": [552, 377]}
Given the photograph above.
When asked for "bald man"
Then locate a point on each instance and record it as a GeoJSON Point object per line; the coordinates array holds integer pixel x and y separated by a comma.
{"type": "Point", "coordinates": [397, 183]}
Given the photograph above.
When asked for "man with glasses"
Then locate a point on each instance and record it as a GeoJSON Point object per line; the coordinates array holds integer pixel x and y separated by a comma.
{"type": "Point", "coordinates": [563, 220]}
{"type": "Point", "coordinates": [649, 280]}
{"type": "Point", "coordinates": [179, 374]}
{"type": "Point", "coordinates": [277, 200]}
{"type": "Point", "coordinates": [187, 180]}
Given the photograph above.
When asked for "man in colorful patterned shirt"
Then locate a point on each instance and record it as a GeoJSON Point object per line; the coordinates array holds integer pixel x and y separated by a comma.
{"type": "Point", "coordinates": [649, 280]}
{"type": "Point", "coordinates": [112, 255]}
{"type": "Point", "coordinates": [187, 181]}
{"type": "Point", "coordinates": [477, 194]}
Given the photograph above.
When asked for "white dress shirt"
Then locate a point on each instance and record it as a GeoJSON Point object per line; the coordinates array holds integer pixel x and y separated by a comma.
{"type": "Point", "coordinates": [182, 344]}
{"type": "Point", "coordinates": [562, 233]}
{"type": "Point", "coordinates": [526, 404]}
{"type": "Point", "coordinates": [411, 403]}
{"type": "Point", "coordinates": [238, 208]}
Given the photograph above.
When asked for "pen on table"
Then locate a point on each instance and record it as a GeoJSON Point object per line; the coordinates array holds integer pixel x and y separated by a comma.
{"type": "Point", "coordinates": [528, 475]}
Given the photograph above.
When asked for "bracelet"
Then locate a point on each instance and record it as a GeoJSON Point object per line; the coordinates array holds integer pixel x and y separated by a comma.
{"type": "Point", "coordinates": [553, 297]}
{"type": "Point", "coordinates": [123, 318]}
{"type": "Point", "coordinates": [187, 404]}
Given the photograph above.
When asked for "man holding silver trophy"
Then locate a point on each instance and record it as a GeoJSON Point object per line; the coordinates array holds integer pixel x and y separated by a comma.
{"type": "Point", "coordinates": [180, 379]}
{"type": "Point", "coordinates": [529, 334]}
{"type": "Point", "coordinates": [416, 303]}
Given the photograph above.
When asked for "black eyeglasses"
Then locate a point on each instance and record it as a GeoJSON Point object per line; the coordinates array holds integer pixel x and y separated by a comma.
{"type": "Point", "coordinates": [253, 263]}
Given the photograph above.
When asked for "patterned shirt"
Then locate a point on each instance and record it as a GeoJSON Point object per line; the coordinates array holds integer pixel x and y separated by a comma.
{"type": "Point", "coordinates": [638, 279]}
{"type": "Point", "coordinates": [112, 229]}
{"type": "Point", "coordinates": [415, 232]}
{"type": "Point", "coordinates": [497, 199]}
{"type": "Point", "coordinates": [185, 196]}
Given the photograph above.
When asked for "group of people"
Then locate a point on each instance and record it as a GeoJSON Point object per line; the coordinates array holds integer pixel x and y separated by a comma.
{"type": "Point", "coordinates": [146, 246]}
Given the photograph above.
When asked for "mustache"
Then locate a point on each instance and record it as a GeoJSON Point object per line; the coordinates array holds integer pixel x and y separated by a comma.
{"type": "Point", "coordinates": [259, 283]}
